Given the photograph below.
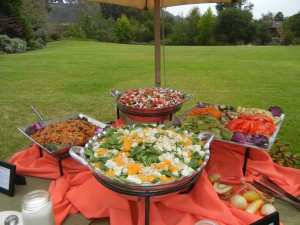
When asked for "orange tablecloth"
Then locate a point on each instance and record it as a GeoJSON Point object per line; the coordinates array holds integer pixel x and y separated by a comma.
{"type": "Point", "coordinates": [78, 190]}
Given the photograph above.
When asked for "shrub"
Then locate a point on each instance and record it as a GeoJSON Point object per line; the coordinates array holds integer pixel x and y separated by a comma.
{"type": "Point", "coordinates": [56, 36]}
{"type": "Point", "coordinates": [206, 26]}
{"type": "Point", "coordinates": [276, 41]}
{"type": "Point", "coordinates": [41, 35]}
{"type": "Point", "coordinates": [296, 41]}
{"type": "Point", "coordinates": [36, 44]}
{"type": "Point", "coordinates": [4, 40]}
{"type": "Point", "coordinates": [56, 31]}
{"type": "Point", "coordinates": [287, 38]}
{"type": "Point", "coordinates": [74, 31]}
{"type": "Point", "coordinates": [18, 45]}
{"type": "Point", "coordinates": [123, 30]}
{"type": "Point", "coordinates": [12, 45]}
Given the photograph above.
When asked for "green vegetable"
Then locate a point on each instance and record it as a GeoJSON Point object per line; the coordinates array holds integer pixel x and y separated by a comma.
{"type": "Point", "coordinates": [157, 135]}
{"type": "Point", "coordinates": [195, 160]}
{"type": "Point", "coordinates": [226, 134]}
{"type": "Point", "coordinates": [89, 153]}
{"type": "Point", "coordinates": [156, 180]}
{"type": "Point", "coordinates": [101, 159]}
{"type": "Point", "coordinates": [145, 154]}
{"type": "Point", "coordinates": [204, 123]}
{"type": "Point", "coordinates": [167, 173]}
{"type": "Point", "coordinates": [110, 132]}
{"type": "Point", "coordinates": [112, 142]}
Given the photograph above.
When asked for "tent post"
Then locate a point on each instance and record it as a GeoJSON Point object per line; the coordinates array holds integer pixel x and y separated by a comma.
{"type": "Point", "coordinates": [157, 42]}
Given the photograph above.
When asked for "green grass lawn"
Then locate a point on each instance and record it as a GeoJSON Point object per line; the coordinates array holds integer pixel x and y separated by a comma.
{"type": "Point", "coordinates": [77, 76]}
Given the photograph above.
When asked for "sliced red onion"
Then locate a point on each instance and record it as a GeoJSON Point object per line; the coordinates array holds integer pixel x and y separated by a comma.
{"type": "Point", "coordinates": [257, 140]}
{"type": "Point", "coordinates": [239, 137]}
{"type": "Point", "coordinates": [99, 130]}
{"type": "Point", "coordinates": [37, 126]}
{"type": "Point", "coordinates": [275, 110]}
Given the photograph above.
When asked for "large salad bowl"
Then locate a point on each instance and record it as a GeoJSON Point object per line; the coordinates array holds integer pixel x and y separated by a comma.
{"type": "Point", "coordinates": [131, 188]}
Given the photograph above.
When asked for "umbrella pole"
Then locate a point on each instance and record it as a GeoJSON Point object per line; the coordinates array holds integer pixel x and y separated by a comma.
{"type": "Point", "coordinates": [157, 42]}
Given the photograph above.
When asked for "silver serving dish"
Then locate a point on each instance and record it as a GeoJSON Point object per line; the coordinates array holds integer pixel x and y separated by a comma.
{"type": "Point", "coordinates": [78, 154]}
{"type": "Point", "coordinates": [272, 139]}
{"type": "Point", "coordinates": [55, 149]}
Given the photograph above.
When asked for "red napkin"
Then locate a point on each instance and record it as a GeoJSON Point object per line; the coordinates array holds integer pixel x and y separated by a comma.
{"type": "Point", "coordinates": [78, 190]}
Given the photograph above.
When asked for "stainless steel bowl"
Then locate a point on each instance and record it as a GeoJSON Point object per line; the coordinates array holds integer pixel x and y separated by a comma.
{"type": "Point", "coordinates": [78, 154]}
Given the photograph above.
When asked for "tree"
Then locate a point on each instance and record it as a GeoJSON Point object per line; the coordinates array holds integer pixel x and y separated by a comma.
{"type": "Point", "coordinates": [89, 23]}
{"type": "Point", "coordinates": [167, 22]}
{"type": "Point", "coordinates": [263, 31]}
{"type": "Point", "coordinates": [11, 21]}
{"type": "Point", "coordinates": [35, 15]}
{"type": "Point", "coordinates": [123, 31]}
{"type": "Point", "coordinates": [142, 31]}
{"type": "Point", "coordinates": [279, 17]}
{"type": "Point", "coordinates": [192, 26]}
{"type": "Point", "coordinates": [26, 19]}
{"type": "Point", "coordinates": [293, 24]}
{"type": "Point", "coordinates": [291, 30]}
{"type": "Point", "coordinates": [90, 20]}
{"type": "Point", "coordinates": [179, 35]}
{"type": "Point", "coordinates": [235, 26]}
{"type": "Point", "coordinates": [116, 11]}
{"type": "Point", "coordinates": [185, 30]}
{"type": "Point", "coordinates": [239, 4]}
{"type": "Point", "coordinates": [206, 28]}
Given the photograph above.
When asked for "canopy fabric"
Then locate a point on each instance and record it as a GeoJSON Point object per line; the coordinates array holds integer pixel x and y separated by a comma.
{"type": "Point", "coordinates": [149, 4]}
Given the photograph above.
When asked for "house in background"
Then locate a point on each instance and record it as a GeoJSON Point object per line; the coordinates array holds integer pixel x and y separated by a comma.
{"type": "Point", "coordinates": [62, 12]}
{"type": "Point", "coordinates": [63, 1]}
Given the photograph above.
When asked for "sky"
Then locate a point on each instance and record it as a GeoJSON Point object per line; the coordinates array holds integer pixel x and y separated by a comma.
{"type": "Point", "coordinates": [287, 7]}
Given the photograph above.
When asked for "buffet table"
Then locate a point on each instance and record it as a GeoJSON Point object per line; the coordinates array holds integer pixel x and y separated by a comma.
{"type": "Point", "coordinates": [210, 164]}
{"type": "Point", "coordinates": [81, 192]}
{"type": "Point", "coordinates": [289, 215]}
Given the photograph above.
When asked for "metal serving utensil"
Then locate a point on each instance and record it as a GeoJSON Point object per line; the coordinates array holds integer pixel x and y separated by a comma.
{"type": "Point", "coordinates": [37, 113]}
{"type": "Point", "coordinates": [276, 187]}
{"type": "Point", "coordinates": [208, 137]}
{"type": "Point", "coordinates": [115, 93]}
{"type": "Point", "coordinates": [276, 193]}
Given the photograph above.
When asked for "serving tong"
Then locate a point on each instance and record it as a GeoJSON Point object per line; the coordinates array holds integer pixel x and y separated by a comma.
{"type": "Point", "coordinates": [268, 186]}
{"type": "Point", "coordinates": [37, 113]}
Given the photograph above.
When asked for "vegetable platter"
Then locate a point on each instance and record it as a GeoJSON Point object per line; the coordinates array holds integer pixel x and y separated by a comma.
{"type": "Point", "coordinates": [56, 136]}
{"type": "Point", "coordinates": [145, 158]}
{"type": "Point", "coordinates": [250, 127]}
